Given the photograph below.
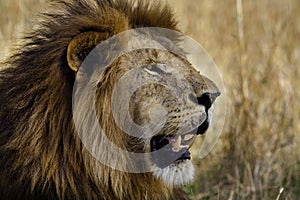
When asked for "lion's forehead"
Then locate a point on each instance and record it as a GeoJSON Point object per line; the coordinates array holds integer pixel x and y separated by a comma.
{"type": "Point", "coordinates": [147, 56]}
{"type": "Point", "coordinates": [176, 68]}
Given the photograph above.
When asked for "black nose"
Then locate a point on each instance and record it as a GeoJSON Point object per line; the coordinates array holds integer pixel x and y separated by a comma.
{"type": "Point", "coordinates": [207, 99]}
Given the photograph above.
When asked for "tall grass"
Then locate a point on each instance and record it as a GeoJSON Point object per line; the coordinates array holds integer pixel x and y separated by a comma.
{"type": "Point", "coordinates": [256, 45]}
{"type": "Point", "coordinates": [15, 19]}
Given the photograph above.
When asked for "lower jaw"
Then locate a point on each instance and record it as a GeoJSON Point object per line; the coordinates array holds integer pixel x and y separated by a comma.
{"type": "Point", "coordinates": [167, 158]}
{"type": "Point", "coordinates": [180, 172]}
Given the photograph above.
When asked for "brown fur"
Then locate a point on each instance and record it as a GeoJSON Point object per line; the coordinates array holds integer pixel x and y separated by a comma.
{"type": "Point", "coordinates": [41, 157]}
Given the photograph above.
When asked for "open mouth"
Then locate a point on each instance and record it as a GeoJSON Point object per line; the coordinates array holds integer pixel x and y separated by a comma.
{"type": "Point", "coordinates": [167, 149]}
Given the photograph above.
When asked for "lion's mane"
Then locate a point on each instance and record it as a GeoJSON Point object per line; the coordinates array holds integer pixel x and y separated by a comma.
{"type": "Point", "coordinates": [41, 156]}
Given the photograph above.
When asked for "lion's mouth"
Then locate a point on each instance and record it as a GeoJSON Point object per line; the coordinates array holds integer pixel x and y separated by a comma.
{"type": "Point", "coordinates": [169, 149]}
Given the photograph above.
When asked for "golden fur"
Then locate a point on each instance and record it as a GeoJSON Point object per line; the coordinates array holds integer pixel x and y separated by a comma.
{"type": "Point", "coordinates": [41, 156]}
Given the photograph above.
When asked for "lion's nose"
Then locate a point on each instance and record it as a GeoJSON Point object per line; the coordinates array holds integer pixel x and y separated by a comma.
{"type": "Point", "coordinates": [209, 94]}
{"type": "Point", "coordinates": [207, 99]}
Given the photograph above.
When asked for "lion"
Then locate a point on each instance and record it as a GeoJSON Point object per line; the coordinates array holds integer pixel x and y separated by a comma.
{"type": "Point", "coordinates": [44, 108]}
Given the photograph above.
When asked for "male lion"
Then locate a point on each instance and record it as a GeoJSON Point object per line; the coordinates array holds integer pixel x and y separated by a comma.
{"type": "Point", "coordinates": [44, 108]}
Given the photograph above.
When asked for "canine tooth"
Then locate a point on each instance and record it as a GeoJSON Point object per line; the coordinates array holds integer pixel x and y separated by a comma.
{"type": "Point", "coordinates": [188, 137]}
{"type": "Point", "coordinates": [177, 144]}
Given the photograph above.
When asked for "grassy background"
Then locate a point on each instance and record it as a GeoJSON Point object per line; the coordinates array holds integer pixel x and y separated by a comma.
{"type": "Point", "coordinates": [258, 153]}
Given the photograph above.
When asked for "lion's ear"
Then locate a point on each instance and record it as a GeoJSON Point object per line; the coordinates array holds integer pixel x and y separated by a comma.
{"type": "Point", "coordinates": [81, 45]}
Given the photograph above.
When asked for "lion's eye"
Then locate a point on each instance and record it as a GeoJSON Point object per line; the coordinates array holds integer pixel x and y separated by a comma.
{"type": "Point", "coordinates": [153, 69]}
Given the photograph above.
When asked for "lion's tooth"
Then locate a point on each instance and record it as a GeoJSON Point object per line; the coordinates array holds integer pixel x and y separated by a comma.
{"type": "Point", "coordinates": [188, 136]}
{"type": "Point", "coordinates": [184, 146]}
{"type": "Point", "coordinates": [177, 144]}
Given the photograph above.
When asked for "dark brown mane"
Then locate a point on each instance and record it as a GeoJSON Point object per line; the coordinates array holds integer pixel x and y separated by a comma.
{"type": "Point", "coordinates": [40, 157]}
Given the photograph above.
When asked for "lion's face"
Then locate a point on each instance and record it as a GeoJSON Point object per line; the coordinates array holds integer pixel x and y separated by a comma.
{"type": "Point", "coordinates": [171, 103]}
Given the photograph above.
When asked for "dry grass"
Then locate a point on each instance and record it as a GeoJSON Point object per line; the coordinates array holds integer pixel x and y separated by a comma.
{"type": "Point", "coordinates": [257, 49]}
{"type": "Point", "coordinates": [15, 18]}
{"type": "Point", "coordinates": [258, 52]}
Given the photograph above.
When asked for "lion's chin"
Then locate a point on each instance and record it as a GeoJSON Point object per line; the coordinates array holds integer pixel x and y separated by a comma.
{"type": "Point", "coordinates": [179, 173]}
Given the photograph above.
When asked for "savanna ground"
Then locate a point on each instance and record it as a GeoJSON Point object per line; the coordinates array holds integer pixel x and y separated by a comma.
{"type": "Point", "coordinates": [256, 45]}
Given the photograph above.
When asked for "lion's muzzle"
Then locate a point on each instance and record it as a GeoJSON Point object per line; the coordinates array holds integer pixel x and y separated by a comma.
{"type": "Point", "coordinates": [168, 149]}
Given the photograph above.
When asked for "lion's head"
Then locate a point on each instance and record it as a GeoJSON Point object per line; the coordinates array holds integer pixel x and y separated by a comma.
{"type": "Point", "coordinates": [151, 100]}
{"type": "Point", "coordinates": [78, 123]}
